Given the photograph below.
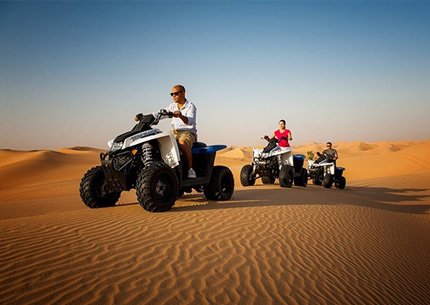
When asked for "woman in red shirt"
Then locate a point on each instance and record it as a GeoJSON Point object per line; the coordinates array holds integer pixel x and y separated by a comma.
{"type": "Point", "coordinates": [283, 135]}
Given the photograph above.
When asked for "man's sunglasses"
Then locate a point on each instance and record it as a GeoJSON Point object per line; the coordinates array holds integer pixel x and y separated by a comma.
{"type": "Point", "coordinates": [176, 93]}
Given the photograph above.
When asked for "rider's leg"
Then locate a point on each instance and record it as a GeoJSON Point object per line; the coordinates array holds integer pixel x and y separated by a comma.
{"type": "Point", "coordinates": [185, 143]}
{"type": "Point", "coordinates": [186, 151]}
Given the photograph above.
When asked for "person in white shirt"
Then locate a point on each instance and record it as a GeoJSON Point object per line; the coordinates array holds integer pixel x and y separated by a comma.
{"type": "Point", "coordinates": [184, 124]}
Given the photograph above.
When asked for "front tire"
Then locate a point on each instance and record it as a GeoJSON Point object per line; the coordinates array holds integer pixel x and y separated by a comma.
{"type": "Point", "coordinates": [94, 190]}
{"type": "Point", "coordinates": [157, 187]}
{"type": "Point", "coordinates": [246, 177]}
{"type": "Point", "coordinates": [221, 184]}
{"type": "Point", "coordinates": [328, 181]}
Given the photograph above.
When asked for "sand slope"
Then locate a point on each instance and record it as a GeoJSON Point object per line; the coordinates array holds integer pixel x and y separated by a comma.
{"type": "Point", "coordinates": [367, 244]}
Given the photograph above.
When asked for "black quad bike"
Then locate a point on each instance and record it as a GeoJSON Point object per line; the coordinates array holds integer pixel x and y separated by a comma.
{"type": "Point", "coordinates": [274, 162]}
{"type": "Point", "coordinates": [324, 171]}
{"type": "Point", "coordinates": [149, 160]}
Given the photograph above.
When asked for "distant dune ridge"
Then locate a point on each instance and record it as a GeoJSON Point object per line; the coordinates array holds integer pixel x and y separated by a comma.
{"type": "Point", "coordinates": [367, 244]}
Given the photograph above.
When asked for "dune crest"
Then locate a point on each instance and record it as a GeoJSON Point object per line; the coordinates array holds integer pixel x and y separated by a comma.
{"type": "Point", "coordinates": [365, 146]}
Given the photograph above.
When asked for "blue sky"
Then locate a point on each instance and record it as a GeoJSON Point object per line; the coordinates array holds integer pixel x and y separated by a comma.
{"type": "Point", "coordinates": [75, 73]}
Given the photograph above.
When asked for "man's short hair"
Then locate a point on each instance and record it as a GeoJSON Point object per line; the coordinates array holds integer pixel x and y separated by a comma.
{"type": "Point", "coordinates": [329, 143]}
{"type": "Point", "coordinates": [182, 88]}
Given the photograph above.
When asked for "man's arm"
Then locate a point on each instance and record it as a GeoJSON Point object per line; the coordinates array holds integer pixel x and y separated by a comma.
{"type": "Point", "coordinates": [189, 117]}
{"type": "Point", "coordinates": [178, 114]}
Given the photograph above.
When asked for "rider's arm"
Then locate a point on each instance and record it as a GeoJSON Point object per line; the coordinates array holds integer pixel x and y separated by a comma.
{"type": "Point", "coordinates": [189, 115]}
{"type": "Point", "coordinates": [178, 114]}
{"type": "Point", "coordinates": [290, 136]}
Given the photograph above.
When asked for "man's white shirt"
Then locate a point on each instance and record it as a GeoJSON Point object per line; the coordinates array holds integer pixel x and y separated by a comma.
{"type": "Point", "coordinates": [188, 110]}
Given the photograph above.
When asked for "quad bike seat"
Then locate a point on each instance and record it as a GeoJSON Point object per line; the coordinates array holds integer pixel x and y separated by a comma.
{"type": "Point", "coordinates": [202, 148]}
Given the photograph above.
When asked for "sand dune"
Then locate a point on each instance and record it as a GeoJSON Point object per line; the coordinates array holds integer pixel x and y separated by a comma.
{"type": "Point", "coordinates": [237, 153]}
{"type": "Point", "coordinates": [367, 244]}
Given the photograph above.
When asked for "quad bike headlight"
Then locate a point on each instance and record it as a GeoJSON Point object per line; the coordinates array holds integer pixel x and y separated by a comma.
{"type": "Point", "coordinates": [116, 146]}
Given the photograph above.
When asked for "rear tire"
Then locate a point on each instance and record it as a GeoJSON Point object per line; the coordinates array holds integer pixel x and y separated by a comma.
{"type": "Point", "coordinates": [341, 184]}
{"type": "Point", "coordinates": [304, 176]}
{"type": "Point", "coordinates": [301, 180]}
{"type": "Point", "coordinates": [246, 177]}
{"type": "Point", "coordinates": [286, 176]}
{"type": "Point", "coordinates": [328, 181]}
{"type": "Point", "coordinates": [94, 191]}
{"type": "Point", "coordinates": [157, 187]}
{"type": "Point", "coordinates": [221, 184]}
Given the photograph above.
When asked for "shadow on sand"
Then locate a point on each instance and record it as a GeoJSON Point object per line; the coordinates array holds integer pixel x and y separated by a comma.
{"type": "Point", "coordinates": [395, 200]}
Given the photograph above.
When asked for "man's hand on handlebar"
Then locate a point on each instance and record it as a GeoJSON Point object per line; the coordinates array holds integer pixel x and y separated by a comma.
{"type": "Point", "coordinates": [166, 113]}
{"type": "Point", "coordinates": [138, 117]}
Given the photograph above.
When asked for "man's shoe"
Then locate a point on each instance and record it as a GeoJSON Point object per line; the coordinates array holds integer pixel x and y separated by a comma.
{"type": "Point", "coordinates": [191, 173]}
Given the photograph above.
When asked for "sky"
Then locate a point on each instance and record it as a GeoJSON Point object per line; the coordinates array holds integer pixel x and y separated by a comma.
{"type": "Point", "coordinates": [75, 73]}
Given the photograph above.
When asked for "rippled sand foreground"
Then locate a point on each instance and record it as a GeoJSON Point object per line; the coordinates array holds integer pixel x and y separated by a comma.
{"type": "Point", "coordinates": [367, 244]}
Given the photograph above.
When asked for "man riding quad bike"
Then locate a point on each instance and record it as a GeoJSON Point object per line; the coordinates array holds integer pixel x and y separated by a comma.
{"type": "Point", "coordinates": [274, 162]}
{"type": "Point", "coordinates": [149, 160]}
{"type": "Point", "coordinates": [324, 171]}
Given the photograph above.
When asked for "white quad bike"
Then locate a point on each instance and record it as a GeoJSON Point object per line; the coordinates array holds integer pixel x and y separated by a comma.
{"type": "Point", "coordinates": [149, 160]}
{"type": "Point", "coordinates": [324, 171]}
{"type": "Point", "coordinates": [275, 162]}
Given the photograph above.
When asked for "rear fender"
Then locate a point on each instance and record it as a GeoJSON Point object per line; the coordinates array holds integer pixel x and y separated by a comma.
{"type": "Point", "coordinates": [339, 171]}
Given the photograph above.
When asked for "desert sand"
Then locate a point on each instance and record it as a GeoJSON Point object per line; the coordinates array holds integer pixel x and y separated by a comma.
{"type": "Point", "coordinates": [367, 244]}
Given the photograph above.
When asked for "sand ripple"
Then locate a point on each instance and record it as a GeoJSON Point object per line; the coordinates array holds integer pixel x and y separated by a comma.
{"type": "Point", "coordinates": [248, 255]}
{"type": "Point", "coordinates": [367, 244]}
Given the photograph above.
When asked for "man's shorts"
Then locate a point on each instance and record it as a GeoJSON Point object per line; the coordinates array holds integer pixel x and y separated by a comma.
{"type": "Point", "coordinates": [186, 136]}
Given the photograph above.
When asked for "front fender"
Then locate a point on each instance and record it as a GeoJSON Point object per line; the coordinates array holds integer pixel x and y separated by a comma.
{"type": "Point", "coordinates": [167, 143]}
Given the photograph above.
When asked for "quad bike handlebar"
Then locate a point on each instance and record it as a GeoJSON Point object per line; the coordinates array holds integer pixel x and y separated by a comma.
{"type": "Point", "coordinates": [270, 140]}
{"type": "Point", "coordinates": [323, 156]}
{"type": "Point", "coordinates": [144, 122]}
{"type": "Point", "coordinates": [150, 119]}
{"type": "Point", "coordinates": [163, 113]}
